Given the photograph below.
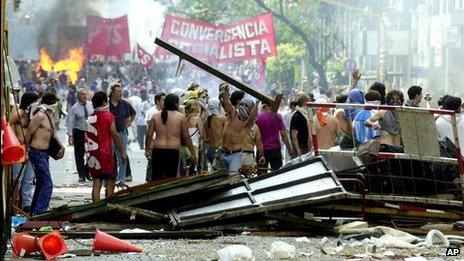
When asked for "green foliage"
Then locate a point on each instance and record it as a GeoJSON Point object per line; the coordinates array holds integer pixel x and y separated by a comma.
{"type": "Point", "coordinates": [282, 67]}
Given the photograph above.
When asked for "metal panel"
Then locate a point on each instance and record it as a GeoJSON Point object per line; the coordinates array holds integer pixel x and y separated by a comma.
{"type": "Point", "coordinates": [300, 184]}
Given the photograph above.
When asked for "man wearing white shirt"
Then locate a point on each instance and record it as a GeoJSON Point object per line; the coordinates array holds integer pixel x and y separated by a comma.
{"type": "Point", "coordinates": [444, 125]}
{"type": "Point", "coordinates": [159, 104]}
{"type": "Point", "coordinates": [141, 110]}
{"type": "Point", "coordinates": [76, 130]}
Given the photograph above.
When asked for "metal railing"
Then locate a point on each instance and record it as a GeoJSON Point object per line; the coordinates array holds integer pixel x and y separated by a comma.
{"type": "Point", "coordinates": [413, 175]}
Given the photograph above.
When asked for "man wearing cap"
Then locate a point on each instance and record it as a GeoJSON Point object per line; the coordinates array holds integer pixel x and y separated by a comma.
{"type": "Point", "coordinates": [39, 133]}
{"type": "Point", "coordinates": [238, 125]}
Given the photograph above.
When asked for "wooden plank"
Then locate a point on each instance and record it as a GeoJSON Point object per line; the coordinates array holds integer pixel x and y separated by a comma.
{"type": "Point", "coordinates": [223, 76]}
{"type": "Point", "coordinates": [133, 212]}
{"type": "Point", "coordinates": [147, 235]}
{"type": "Point", "coordinates": [391, 212]}
{"type": "Point", "coordinates": [177, 187]}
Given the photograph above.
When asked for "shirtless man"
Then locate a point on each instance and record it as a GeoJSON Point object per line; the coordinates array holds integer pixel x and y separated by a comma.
{"type": "Point", "coordinates": [326, 127]}
{"type": "Point", "coordinates": [19, 120]}
{"type": "Point", "coordinates": [38, 137]}
{"type": "Point", "coordinates": [252, 140]}
{"type": "Point", "coordinates": [238, 125]}
{"type": "Point", "coordinates": [170, 127]}
{"type": "Point", "coordinates": [388, 121]}
{"type": "Point", "coordinates": [214, 127]}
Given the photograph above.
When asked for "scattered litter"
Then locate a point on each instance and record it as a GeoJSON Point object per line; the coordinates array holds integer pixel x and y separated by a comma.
{"type": "Point", "coordinates": [371, 248]}
{"type": "Point", "coordinates": [302, 239]}
{"type": "Point", "coordinates": [355, 225]}
{"type": "Point", "coordinates": [17, 220]}
{"type": "Point", "coordinates": [436, 237]}
{"type": "Point", "coordinates": [389, 253]}
{"type": "Point", "coordinates": [416, 258]}
{"type": "Point", "coordinates": [135, 230]}
{"type": "Point", "coordinates": [46, 229]}
{"type": "Point", "coordinates": [392, 242]}
{"type": "Point", "coordinates": [282, 250]}
{"type": "Point", "coordinates": [235, 253]}
{"type": "Point", "coordinates": [246, 233]}
{"type": "Point", "coordinates": [306, 254]}
{"type": "Point", "coordinates": [325, 247]}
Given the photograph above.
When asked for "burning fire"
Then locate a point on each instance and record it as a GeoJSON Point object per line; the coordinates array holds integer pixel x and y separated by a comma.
{"type": "Point", "coordinates": [73, 64]}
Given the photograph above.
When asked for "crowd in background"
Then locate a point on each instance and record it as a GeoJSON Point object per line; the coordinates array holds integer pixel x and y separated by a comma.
{"type": "Point", "coordinates": [188, 128]}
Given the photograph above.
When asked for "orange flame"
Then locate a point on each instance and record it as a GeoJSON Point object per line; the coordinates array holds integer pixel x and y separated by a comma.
{"type": "Point", "coordinates": [73, 64]}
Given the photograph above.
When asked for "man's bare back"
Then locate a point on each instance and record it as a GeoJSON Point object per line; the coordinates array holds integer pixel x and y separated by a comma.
{"type": "Point", "coordinates": [326, 133]}
{"type": "Point", "coordinates": [343, 124]}
{"type": "Point", "coordinates": [169, 136]}
{"type": "Point", "coordinates": [19, 124]}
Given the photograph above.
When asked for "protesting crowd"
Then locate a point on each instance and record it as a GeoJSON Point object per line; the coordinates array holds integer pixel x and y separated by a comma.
{"type": "Point", "coordinates": [190, 132]}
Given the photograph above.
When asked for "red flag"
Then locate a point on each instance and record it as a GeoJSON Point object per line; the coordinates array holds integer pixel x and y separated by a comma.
{"type": "Point", "coordinates": [145, 58]}
{"type": "Point", "coordinates": [108, 36]}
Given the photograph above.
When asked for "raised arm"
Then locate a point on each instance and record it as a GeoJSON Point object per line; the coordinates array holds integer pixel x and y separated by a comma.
{"type": "Point", "coordinates": [356, 74]}
{"type": "Point", "coordinates": [224, 96]}
{"type": "Point", "coordinates": [253, 115]}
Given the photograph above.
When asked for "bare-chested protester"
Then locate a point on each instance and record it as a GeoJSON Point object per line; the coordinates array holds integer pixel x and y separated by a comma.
{"type": "Point", "coordinates": [19, 120]}
{"type": "Point", "coordinates": [238, 124]}
{"type": "Point", "coordinates": [170, 127]}
{"type": "Point", "coordinates": [214, 127]}
{"type": "Point", "coordinates": [39, 133]}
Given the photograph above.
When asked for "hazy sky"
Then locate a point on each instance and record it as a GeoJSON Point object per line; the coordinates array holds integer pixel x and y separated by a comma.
{"type": "Point", "coordinates": [145, 17]}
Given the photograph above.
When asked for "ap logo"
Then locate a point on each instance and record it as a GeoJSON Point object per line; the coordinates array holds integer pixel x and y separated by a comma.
{"type": "Point", "coordinates": [451, 251]}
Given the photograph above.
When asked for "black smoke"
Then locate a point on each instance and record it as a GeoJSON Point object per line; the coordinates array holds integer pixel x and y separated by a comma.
{"type": "Point", "coordinates": [63, 26]}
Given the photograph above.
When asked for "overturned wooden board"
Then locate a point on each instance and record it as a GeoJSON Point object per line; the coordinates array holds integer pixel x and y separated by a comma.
{"type": "Point", "coordinates": [172, 189]}
{"type": "Point", "coordinates": [145, 235]}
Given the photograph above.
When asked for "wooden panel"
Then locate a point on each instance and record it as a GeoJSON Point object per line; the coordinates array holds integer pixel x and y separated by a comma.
{"type": "Point", "coordinates": [419, 133]}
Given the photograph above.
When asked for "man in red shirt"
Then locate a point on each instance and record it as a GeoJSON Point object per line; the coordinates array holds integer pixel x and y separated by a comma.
{"type": "Point", "coordinates": [101, 133]}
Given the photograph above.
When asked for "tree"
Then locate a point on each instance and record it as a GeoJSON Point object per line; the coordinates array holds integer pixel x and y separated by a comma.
{"type": "Point", "coordinates": [282, 67]}
{"type": "Point", "coordinates": [319, 49]}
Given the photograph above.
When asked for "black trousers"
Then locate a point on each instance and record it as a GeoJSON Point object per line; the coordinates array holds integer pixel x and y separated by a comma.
{"type": "Point", "coordinates": [79, 152]}
{"type": "Point", "coordinates": [165, 164]}
{"type": "Point", "coordinates": [273, 157]}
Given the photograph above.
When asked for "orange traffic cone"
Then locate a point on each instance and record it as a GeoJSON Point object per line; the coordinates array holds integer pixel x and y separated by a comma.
{"type": "Point", "coordinates": [24, 244]}
{"type": "Point", "coordinates": [52, 245]}
{"type": "Point", "coordinates": [105, 242]}
{"type": "Point", "coordinates": [12, 151]}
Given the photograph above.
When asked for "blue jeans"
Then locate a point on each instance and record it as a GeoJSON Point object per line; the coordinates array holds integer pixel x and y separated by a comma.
{"type": "Point", "coordinates": [44, 184]}
{"type": "Point", "coordinates": [121, 167]}
{"type": "Point", "coordinates": [26, 180]}
{"type": "Point", "coordinates": [231, 162]}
